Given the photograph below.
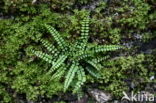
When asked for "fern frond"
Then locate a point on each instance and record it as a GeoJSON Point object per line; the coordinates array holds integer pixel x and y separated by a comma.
{"type": "Point", "coordinates": [99, 59]}
{"type": "Point", "coordinates": [95, 65]}
{"type": "Point", "coordinates": [70, 75]}
{"type": "Point", "coordinates": [59, 61]}
{"type": "Point", "coordinates": [82, 41]}
{"type": "Point", "coordinates": [85, 29]}
{"type": "Point", "coordinates": [104, 48]}
{"type": "Point", "coordinates": [93, 72]}
{"type": "Point", "coordinates": [51, 48]}
{"type": "Point", "coordinates": [84, 56]}
{"type": "Point", "coordinates": [81, 79]}
{"type": "Point", "coordinates": [43, 56]}
{"type": "Point", "coordinates": [51, 70]}
{"type": "Point", "coordinates": [56, 36]}
{"type": "Point", "coordinates": [57, 64]}
{"type": "Point", "coordinates": [84, 32]}
{"type": "Point", "coordinates": [59, 73]}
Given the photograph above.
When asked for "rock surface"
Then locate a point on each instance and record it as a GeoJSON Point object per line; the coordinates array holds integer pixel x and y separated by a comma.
{"type": "Point", "coordinates": [99, 95]}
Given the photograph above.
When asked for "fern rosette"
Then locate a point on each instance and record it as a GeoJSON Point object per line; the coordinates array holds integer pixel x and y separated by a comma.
{"type": "Point", "coordinates": [74, 60]}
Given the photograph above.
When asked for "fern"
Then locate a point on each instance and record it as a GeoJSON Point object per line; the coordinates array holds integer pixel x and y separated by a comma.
{"type": "Point", "coordinates": [99, 59]}
{"type": "Point", "coordinates": [104, 48]}
{"type": "Point", "coordinates": [70, 75]}
{"type": "Point", "coordinates": [56, 36]}
{"type": "Point", "coordinates": [83, 56]}
{"type": "Point", "coordinates": [44, 56]}
{"type": "Point", "coordinates": [82, 41]}
{"type": "Point", "coordinates": [95, 65]}
{"type": "Point", "coordinates": [75, 59]}
{"type": "Point", "coordinates": [93, 72]}
{"type": "Point", "coordinates": [59, 73]}
{"type": "Point", "coordinates": [84, 32]}
{"type": "Point", "coordinates": [50, 48]}
{"type": "Point", "coordinates": [59, 62]}
{"type": "Point", "coordinates": [81, 79]}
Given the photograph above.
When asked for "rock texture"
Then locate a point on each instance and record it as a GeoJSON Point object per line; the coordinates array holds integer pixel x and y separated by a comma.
{"type": "Point", "coordinates": [99, 96]}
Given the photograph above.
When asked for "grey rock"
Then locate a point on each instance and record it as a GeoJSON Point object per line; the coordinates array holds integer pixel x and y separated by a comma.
{"type": "Point", "coordinates": [99, 95]}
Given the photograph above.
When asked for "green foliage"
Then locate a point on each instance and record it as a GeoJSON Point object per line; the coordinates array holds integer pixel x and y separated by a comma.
{"type": "Point", "coordinates": [126, 68]}
{"type": "Point", "coordinates": [136, 13]}
{"type": "Point", "coordinates": [75, 56]}
{"type": "Point", "coordinates": [39, 85]}
{"type": "Point", "coordinates": [112, 22]}
{"type": "Point", "coordinates": [4, 95]}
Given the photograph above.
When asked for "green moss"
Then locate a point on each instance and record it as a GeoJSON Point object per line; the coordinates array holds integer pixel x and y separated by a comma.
{"type": "Point", "coordinates": [135, 14]}
{"type": "Point", "coordinates": [127, 68]}
{"type": "Point", "coordinates": [31, 80]}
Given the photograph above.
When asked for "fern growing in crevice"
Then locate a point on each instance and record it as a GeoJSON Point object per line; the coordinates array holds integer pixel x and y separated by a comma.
{"type": "Point", "coordinates": [74, 60]}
